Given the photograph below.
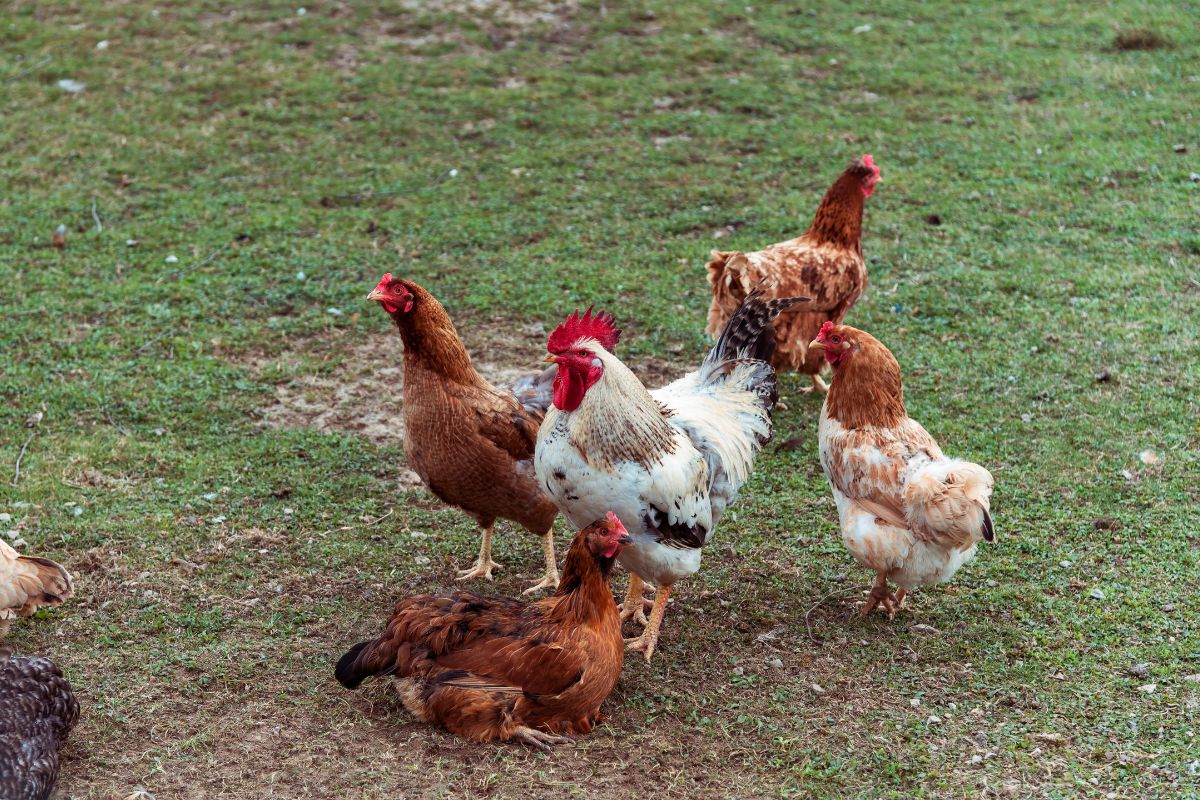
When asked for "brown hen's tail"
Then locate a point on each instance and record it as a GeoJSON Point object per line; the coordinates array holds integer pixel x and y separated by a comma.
{"type": "Point", "coordinates": [367, 660]}
{"type": "Point", "coordinates": [727, 290]}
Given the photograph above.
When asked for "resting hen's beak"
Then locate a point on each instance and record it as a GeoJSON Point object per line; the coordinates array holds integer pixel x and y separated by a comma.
{"type": "Point", "coordinates": [376, 295]}
{"type": "Point", "coordinates": [624, 539]}
{"type": "Point", "coordinates": [816, 344]}
{"type": "Point", "coordinates": [551, 359]}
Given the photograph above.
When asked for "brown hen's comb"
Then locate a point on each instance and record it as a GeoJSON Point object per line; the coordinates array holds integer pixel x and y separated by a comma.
{"type": "Point", "coordinates": [598, 326]}
{"type": "Point", "coordinates": [825, 329]}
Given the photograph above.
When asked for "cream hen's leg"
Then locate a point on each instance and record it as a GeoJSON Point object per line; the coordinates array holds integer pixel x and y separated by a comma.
{"type": "Point", "coordinates": [484, 564]}
{"type": "Point", "coordinates": [635, 603]}
{"type": "Point", "coordinates": [881, 597]}
{"type": "Point", "coordinates": [550, 581]}
{"type": "Point", "coordinates": [649, 638]}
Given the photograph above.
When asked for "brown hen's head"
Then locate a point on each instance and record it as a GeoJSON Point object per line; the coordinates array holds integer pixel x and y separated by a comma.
{"type": "Point", "coordinates": [578, 365]}
{"type": "Point", "coordinates": [393, 294]}
{"type": "Point", "coordinates": [606, 537]}
{"type": "Point", "coordinates": [868, 174]}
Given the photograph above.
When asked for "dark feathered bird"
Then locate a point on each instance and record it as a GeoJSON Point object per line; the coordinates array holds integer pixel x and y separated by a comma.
{"type": "Point", "coordinates": [37, 711]}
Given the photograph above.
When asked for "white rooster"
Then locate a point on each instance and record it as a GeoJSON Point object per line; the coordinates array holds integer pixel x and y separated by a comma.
{"type": "Point", "coordinates": [907, 512]}
{"type": "Point", "coordinates": [667, 462]}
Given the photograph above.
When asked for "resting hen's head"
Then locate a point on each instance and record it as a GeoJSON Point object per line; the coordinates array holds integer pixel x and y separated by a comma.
{"type": "Point", "coordinates": [393, 294]}
{"type": "Point", "coordinates": [606, 537]}
{"type": "Point", "coordinates": [574, 346]}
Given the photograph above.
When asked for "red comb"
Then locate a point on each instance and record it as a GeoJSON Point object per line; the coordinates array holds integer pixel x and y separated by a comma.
{"type": "Point", "coordinates": [384, 281]}
{"type": "Point", "coordinates": [619, 527]}
{"type": "Point", "coordinates": [598, 326]}
{"type": "Point", "coordinates": [825, 329]}
{"type": "Point", "coordinates": [869, 163]}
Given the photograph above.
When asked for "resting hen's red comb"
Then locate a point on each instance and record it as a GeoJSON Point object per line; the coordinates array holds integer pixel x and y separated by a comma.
{"type": "Point", "coordinates": [618, 526]}
{"type": "Point", "coordinates": [598, 326]}
{"type": "Point", "coordinates": [825, 329]}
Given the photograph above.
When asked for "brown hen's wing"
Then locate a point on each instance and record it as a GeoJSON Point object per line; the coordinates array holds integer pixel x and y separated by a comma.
{"type": "Point", "coordinates": [503, 421]}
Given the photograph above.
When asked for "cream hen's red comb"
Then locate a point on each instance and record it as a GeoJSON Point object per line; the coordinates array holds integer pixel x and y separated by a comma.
{"type": "Point", "coordinates": [598, 326]}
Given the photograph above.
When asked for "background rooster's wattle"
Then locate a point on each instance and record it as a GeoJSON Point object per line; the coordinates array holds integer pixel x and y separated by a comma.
{"type": "Point", "coordinates": [667, 462]}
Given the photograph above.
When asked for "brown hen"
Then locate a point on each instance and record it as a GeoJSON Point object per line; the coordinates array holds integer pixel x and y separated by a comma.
{"type": "Point", "coordinates": [825, 263]}
{"type": "Point", "coordinates": [469, 441]}
{"type": "Point", "coordinates": [493, 668]}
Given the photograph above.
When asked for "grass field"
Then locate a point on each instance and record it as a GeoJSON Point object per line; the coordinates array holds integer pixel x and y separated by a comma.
{"type": "Point", "coordinates": [218, 467]}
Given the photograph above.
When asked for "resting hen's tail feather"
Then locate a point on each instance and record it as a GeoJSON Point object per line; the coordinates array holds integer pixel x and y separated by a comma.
{"type": "Point", "coordinates": [367, 659]}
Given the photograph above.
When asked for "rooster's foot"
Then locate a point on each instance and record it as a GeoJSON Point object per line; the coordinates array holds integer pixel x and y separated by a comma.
{"type": "Point", "coordinates": [540, 739]}
{"type": "Point", "coordinates": [549, 582]}
{"type": "Point", "coordinates": [635, 609]}
{"type": "Point", "coordinates": [480, 570]}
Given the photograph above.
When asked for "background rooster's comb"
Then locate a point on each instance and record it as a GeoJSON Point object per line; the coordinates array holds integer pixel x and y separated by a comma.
{"type": "Point", "coordinates": [598, 326]}
{"type": "Point", "coordinates": [825, 329]}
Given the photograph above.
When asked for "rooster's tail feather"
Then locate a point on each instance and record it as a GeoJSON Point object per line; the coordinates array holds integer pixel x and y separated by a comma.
{"type": "Point", "coordinates": [749, 333]}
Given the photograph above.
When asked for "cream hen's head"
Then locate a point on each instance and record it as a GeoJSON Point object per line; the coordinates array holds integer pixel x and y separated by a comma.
{"type": "Point", "coordinates": [580, 346]}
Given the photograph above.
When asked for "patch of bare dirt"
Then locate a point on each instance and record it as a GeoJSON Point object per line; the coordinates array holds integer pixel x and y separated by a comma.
{"type": "Point", "coordinates": [353, 383]}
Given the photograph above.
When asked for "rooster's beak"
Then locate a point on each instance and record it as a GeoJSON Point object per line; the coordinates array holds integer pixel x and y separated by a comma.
{"type": "Point", "coordinates": [551, 359]}
{"type": "Point", "coordinates": [816, 344]}
{"type": "Point", "coordinates": [375, 295]}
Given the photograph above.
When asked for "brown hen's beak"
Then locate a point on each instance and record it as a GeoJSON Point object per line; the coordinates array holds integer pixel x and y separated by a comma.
{"type": "Point", "coordinates": [816, 344]}
{"type": "Point", "coordinates": [625, 539]}
{"type": "Point", "coordinates": [551, 359]}
{"type": "Point", "coordinates": [376, 295]}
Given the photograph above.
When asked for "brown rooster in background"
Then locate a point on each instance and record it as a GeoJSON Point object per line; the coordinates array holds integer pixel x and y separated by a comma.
{"type": "Point", "coordinates": [470, 442]}
{"type": "Point", "coordinates": [493, 668]}
{"type": "Point", "coordinates": [907, 511]}
{"type": "Point", "coordinates": [27, 583]}
{"type": "Point", "coordinates": [825, 263]}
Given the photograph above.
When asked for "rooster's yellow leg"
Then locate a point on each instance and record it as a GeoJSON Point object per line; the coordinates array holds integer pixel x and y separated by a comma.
{"type": "Point", "coordinates": [484, 564]}
{"type": "Point", "coordinates": [635, 603]}
{"type": "Point", "coordinates": [649, 638]}
{"type": "Point", "coordinates": [550, 581]}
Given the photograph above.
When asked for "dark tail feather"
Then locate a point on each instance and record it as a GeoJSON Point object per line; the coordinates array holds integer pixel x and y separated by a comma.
{"type": "Point", "coordinates": [989, 533]}
{"type": "Point", "coordinates": [362, 662]}
{"type": "Point", "coordinates": [535, 391]}
{"type": "Point", "coordinates": [749, 333]}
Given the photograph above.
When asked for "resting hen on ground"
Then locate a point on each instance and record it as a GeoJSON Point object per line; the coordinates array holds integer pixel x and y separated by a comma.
{"type": "Point", "coordinates": [471, 442]}
{"type": "Point", "coordinates": [493, 668]}
{"type": "Point", "coordinates": [28, 583]}
{"type": "Point", "coordinates": [825, 263]}
{"type": "Point", "coordinates": [667, 462]}
{"type": "Point", "coordinates": [37, 711]}
{"type": "Point", "coordinates": [907, 511]}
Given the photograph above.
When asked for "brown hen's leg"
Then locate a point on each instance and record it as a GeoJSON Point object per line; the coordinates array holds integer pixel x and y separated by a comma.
{"type": "Point", "coordinates": [635, 603]}
{"type": "Point", "coordinates": [649, 638]}
{"type": "Point", "coordinates": [818, 385]}
{"type": "Point", "coordinates": [550, 581]}
{"type": "Point", "coordinates": [484, 564]}
{"type": "Point", "coordinates": [881, 597]}
{"type": "Point", "coordinates": [540, 739]}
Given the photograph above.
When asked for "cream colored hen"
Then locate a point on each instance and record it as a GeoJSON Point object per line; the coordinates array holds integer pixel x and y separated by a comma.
{"type": "Point", "coordinates": [907, 512]}
{"type": "Point", "coordinates": [27, 583]}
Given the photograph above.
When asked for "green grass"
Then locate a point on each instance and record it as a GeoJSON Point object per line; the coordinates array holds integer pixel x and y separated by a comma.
{"type": "Point", "coordinates": [597, 150]}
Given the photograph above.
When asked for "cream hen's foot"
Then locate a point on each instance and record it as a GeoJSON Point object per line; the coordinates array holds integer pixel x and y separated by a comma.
{"type": "Point", "coordinates": [484, 564]}
{"type": "Point", "coordinates": [881, 597]}
{"type": "Point", "coordinates": [540, 739]}
{"type": "Point", "coordinates": [635, 604]}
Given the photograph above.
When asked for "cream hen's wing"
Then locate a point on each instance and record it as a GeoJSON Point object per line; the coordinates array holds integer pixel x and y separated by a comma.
{"type": "Point", "coordinates": [948, 502]}
{"type": "Point", "coordinates": [27, 583]}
